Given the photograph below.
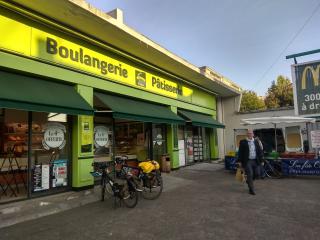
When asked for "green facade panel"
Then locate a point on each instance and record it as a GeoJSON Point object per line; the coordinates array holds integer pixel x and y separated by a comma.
{"type": "Point", "coordinates": [81, 163]}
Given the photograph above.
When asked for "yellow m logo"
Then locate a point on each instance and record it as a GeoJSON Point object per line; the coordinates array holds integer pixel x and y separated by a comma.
{"type": "Point", "coordinates": [315, 76]}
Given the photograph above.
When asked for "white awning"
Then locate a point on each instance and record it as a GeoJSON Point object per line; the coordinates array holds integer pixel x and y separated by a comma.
{"type": "Point", "coordinates": [276, 120]}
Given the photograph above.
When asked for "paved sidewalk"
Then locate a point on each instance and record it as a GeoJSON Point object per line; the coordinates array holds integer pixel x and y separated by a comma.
{"type": "Point", "coordinates": [199, 202]}
{"type": "Point", "coordinates": [21, 211]}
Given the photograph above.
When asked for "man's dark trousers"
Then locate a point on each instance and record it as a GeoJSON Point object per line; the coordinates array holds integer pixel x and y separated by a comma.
{"type": "Point", "coordinates": [252, 170]}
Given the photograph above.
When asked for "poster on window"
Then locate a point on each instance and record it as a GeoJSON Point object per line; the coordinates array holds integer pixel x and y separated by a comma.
{"type": "Point", "coordinates": [59, 173]}
{"type": "Point", "coordinates": [101, 136]}
{"type": "Point", "coordinates": [190, 146]}
{"type": "Point", "coordinates": [41, 175]}
{"type": "Point", "coordinates": [54, 136]}
{"type": "Point", "coordinates": [36, 178]}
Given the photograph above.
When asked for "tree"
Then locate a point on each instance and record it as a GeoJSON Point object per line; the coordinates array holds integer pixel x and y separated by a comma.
{"type": "Point", "coordinates": [250, 101]}
{"type": "Point", "coordinates": [271, 100]}
{"type": "Point", "coordinates": [280, 94]}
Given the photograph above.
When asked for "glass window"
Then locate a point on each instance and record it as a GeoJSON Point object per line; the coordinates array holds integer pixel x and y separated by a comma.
{"type": "Point", "coordinates": [50, 152]}
{"type": "Point", "coordinates": [159, 143]}
{"type": "Point", "coordinates": [13, 154]}
{"type": "Point", "coordinates": [102, 139]}
{"type": "Point", "coordinates": [132, 139]}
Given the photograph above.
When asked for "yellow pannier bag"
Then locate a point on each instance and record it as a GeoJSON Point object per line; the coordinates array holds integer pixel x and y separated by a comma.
{"type": "Point", "coordinates": [149, 166]}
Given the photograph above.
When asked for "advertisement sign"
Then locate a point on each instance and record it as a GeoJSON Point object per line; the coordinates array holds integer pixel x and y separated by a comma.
{"type": "Point", "coordinates": [36, 178]}
{"type": "Point", "coordinates": [86, 133]}
{"type": "Point", "coordinates": [40, 179]}
{"type": "Point", "coordinates": [300, 167]}
{"type": "Point", "coordinates": [306, 88]}
{"type": "Point", "coordinates": [315, 138]}
{"type": "Point", "coordinates": [101, 136]}
{"type": "Point", "coordinates": [54, 136]}
{"type": "Point", "coordinates": [63, 50]}
{"type": "Point", "coordinates": [59, 173]}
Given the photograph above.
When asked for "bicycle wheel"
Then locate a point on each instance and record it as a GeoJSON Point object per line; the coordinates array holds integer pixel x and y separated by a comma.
{"type": "Point", "coordinates": [153, 186]}
{"type": "Point", "coordinates": [271, 172]}
{"type": "Point", "coordinates": [132, 200]}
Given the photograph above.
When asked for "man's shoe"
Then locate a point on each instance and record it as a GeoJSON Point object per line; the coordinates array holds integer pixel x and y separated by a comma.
{"type": "Point", "coordinates": [252, 192]}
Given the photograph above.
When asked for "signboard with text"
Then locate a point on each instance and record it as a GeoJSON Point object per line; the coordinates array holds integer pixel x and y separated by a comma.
{"type": "Point", "coordinates": [300, 167]}
{"type": "Point", "coordinates": [306, 77]}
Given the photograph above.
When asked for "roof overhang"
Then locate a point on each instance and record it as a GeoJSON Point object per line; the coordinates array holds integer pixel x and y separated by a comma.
{"type": "Point", "coordinates": [82, 17]}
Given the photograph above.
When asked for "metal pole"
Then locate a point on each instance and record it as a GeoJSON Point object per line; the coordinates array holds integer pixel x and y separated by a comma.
{"type": "Point", "coordinates": [275, 136]}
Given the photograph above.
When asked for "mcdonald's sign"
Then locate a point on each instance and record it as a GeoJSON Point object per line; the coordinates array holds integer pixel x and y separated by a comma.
{"type": "Point", "coordinates": [306, 82]}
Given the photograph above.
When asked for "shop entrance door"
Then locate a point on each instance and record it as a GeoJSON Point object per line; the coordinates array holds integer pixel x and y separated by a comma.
{"type": "Point", "coordinates": [189, 145]}
{"type": "Point", "coordinates": [181, 146]}
{"type": "Point", "coordinates": [51, 154]}
{"type": "Point", "coordinates": [158, 141]}
{"type": "Point", "coordinates": [197, 144]}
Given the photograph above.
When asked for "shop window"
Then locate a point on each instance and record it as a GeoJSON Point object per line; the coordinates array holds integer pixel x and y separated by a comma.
{"type": "Point", "coordinates": [158, 141]}
{"type": "Point", "coordinates": [102, 139]}
{"type": "Point", "coordinates": [132, 139]}
{"type": "Point", "coordinates": [50, 152]}
{"type": "Point", "coordinates": [13, 155]}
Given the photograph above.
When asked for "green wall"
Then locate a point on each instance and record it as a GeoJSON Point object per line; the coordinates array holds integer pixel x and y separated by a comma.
{"type": "Point", "coordinates": [81, 163]}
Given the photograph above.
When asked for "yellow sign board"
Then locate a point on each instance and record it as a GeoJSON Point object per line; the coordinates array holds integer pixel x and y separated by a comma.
{"type": "Point", "coordinates": [44, 43]}
{"type": "Point", "coordinates": [56, 49]}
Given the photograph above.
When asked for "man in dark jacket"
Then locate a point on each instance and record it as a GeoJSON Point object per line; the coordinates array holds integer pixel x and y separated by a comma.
{"type": "Point", "coordinates": [250, 156]}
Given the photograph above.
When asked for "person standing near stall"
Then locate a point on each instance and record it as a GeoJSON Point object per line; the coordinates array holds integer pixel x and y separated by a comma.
{"type": "Point", "coordinates": [250, 156]}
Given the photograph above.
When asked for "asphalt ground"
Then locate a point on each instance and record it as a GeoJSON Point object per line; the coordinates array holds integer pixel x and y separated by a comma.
{"type": "Point", "coordinates": [199, 202]}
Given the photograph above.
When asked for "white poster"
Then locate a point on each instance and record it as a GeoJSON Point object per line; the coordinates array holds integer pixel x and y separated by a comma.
{"type": "Point", "coordinates": [45, 170]}
{"type": "Point", "coordinates": [182, 155]}
{"type": "Point", "coordinates": [54, 136]}
{"type": "Point", "coordinates": [101, 136]}
{"type": "Point", "coordinates": [315, 138]}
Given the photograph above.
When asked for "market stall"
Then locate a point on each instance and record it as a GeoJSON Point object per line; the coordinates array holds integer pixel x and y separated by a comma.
{"type": "Point", "coordinates": [292, 163]}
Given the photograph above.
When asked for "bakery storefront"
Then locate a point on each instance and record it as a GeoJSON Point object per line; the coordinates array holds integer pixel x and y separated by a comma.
{"type": "Point", "coordinates": [68, 100]}
{"type": "Point", "coordinates": [36, 117]}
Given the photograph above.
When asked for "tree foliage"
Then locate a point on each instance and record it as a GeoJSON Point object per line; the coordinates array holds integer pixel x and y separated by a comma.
{"type": "Point", "coordinates": [280, 94]}
{"type": "Point", "coordinates": [250, 101]}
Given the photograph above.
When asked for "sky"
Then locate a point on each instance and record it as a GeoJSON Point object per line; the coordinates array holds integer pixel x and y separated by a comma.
{"type": "Point", "coordinates": [244, 40]}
